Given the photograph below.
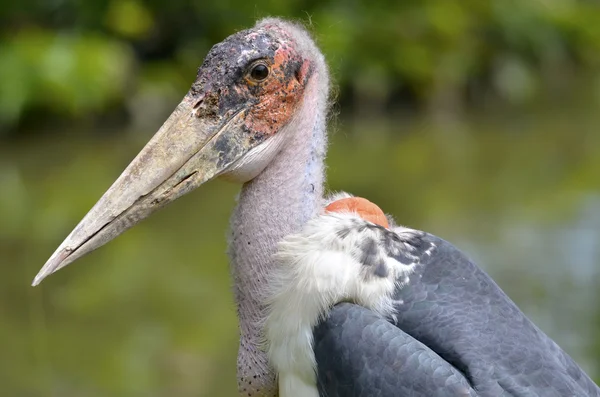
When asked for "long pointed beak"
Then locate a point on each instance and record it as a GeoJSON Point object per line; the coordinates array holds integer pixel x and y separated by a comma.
{"type": "Point", "coordinates": [186, 152]}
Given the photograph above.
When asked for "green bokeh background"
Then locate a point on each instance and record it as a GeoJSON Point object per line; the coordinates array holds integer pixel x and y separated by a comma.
{"type": "Point", "coordinates": [474, 120]}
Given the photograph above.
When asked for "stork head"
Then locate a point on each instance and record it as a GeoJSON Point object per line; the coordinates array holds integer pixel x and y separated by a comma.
{"type": "Point", "coordinates": [231, 123]}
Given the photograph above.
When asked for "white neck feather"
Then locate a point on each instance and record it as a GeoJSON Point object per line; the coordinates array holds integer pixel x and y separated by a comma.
{"type": "Point", "coordinates": [278, 202]}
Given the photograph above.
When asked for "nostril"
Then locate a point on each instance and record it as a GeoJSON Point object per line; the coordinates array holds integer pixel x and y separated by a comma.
{"type": "Point", "coordinates": [199, 101]}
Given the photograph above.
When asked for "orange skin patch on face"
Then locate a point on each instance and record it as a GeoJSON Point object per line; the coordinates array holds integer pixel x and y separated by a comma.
{"type": "Point", "coordinates": [362, 207]}
{"type": "Point", "coordinates": [280, 94]}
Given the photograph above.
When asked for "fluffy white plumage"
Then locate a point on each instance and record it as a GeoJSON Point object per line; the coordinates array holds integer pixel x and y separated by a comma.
{"type": "Point", "coordinates": [320, 266]}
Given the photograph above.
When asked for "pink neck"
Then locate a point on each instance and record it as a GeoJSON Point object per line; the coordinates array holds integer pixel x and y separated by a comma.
{"type": "Point", "coordinates": [276, 203]}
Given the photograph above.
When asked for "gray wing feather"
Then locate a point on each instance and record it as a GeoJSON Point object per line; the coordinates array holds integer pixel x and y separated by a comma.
{"type": "Point", "coordinates": [456, 309]}
{"type": "Point", "coordinates": [359, 354]}
{"type": "Point", "coordinates": [454, 329]}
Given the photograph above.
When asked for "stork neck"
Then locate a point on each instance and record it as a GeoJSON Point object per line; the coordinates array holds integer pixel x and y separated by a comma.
{"type": "Point", "coordinates": [278, 202]}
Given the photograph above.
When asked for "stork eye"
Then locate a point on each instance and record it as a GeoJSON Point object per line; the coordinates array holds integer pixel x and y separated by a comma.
{"type": "Point", "coordinates": [259, 72]}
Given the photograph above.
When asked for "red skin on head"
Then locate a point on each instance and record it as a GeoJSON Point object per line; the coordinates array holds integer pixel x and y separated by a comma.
{"type": "Point", "coordinates": [362, 207]}
{"type": "Point", "coordinates": [279, 95]}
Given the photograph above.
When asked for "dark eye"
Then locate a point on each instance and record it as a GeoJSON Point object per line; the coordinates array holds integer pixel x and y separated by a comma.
{"type": "Point", "coordinates": [259, 72]}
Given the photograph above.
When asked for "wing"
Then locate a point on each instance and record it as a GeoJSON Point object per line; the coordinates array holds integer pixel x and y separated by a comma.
{"type": "Point", "coordinates": [359, 354]}
{"type": "Point", "coordinates": [456, 309]}
{"type": "Point", "coordinates": [450, 307]}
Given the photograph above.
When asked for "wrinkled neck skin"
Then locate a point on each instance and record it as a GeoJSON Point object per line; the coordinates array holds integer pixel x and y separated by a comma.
{"type": "Point", "coordinates": [278, 202]}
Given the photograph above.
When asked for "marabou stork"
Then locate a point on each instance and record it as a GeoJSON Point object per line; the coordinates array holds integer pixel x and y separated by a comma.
{"type": "Point", "coordinates": [333, 298]}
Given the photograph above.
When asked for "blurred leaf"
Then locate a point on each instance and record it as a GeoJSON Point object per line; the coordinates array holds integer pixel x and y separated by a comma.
{"type": "Point", "coordinates": [129, 18]}
{"type": "Point", "coordinates": [68, 74]}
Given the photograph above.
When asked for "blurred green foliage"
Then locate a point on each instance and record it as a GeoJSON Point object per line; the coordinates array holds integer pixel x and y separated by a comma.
{"type": "Point", "coordinates": [80, 57]}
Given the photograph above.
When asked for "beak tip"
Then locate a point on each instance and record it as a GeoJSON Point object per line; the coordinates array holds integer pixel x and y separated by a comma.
{"type": "Point", "coordinates": [37, 280]}
{"type": "Point", "coordinates": [42, 274]}
{"type": "Point", "coordinates": [55, 262]}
